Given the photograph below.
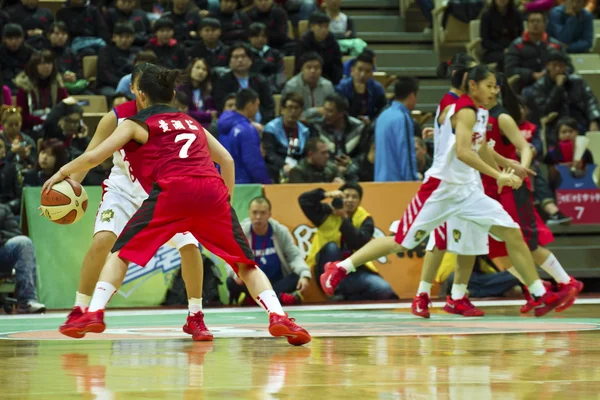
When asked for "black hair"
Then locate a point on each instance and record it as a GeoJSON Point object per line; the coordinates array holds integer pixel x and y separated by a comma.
{"type": "Point", "coordinates": [210, 22]}
{"type": "Point", "coordinates": [510, 101]}
{"type": "Point", "coordinates": [568, 121]}
{"type": "Point", "coordinates": [341, 103]}
{"type": "Point", "coordinates": [31, 23]}
{"type": "Point", "coordinates": [536, 12]}
{"type": "Point", "coordinates": [116, 96]}
{"type": "Point", "coordinates": [59, 26]}
{"type": "Point", "coordinates": [237, 46]}
{"type": "Point", "coordinates": [182, 97]}
{"type": "Point", "coordinates": [69, 109]}
{"type": "Point", "coordinates": [145, 56]}
{"type": "Point", "coordinates": [227, 98]}
{"type": "Point", "coordinates": [260, 200]}
{"type": "Point", "coordinates": [139, 69]}
{"type": "Point", "coordinates": [354, 186]}
{"type": "Point", "coordinates": [455, 69]}
{"type": "Point", "coordinates": [311, 144]}
{"type": "Point", "coordinates": [365, 58]}
{"type": "Point", "coordinates": [311, 56]}
{"type": "Point", "coordinates": [163, 23]}
{"type": "Point", "coordinates": [318, 18]}
{"type": "Point", "coordinates": [158, 84]}
{"type": "Point", "coordinates": [405, 86]}
{"type": "Point", "coordinates": [257, 29]}
{"type": "Point", "coordinates": [292, 96]}
{"type": "Point", "coordinates": [244, 97]}
{"type": "Point", "coordinates": [123, 28]}
{"type": "Point", "coordinates": [12, 31]}
{"type": "Point", "coordinates": [477, 74]}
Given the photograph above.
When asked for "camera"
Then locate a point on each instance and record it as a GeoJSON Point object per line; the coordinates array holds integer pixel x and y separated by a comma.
{"type": "Point", "coordinates": [337, 203]}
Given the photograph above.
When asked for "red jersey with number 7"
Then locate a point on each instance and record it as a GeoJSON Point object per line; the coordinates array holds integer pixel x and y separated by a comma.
{"type": "Point", "coordinates": [176, 147]}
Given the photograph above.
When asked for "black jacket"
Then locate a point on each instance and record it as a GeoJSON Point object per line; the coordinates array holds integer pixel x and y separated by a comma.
{"type": "Point", "coordinates": [84, 21]}
{"type": "Point", "coordinates": [270, 65]}
{"type": "Point", "coordinates": [184, 23]}
{"type": "Point", "coordinates": [498, 31]}
{"type": "Point", "coordinates": [10, 186]}
{"type": "Point", "coordinates": [9, 226]}
{"type": "Point", "coordinates": [328, 50]}
{"type": "Point", "coordinates": [228, 84]}
{"type": "Point", "coordinates": [170, 56]}
{"type": "Point", "coordinates": [215, 58]}
{"type": "Point", "coordinates": [13, 63]}
{"type": "Point", "coordinates": [137, 18]}
{"type": "Point", "coordinates": [67, 60]}
{"type": "Point", "coordinates": [234, 26]}
{"type": "Point", "coordinates": [276, 20]}
{"type": "Point", "coordinates": [113, 64]}
{"type": "Point", "coordinates": [19, 13]}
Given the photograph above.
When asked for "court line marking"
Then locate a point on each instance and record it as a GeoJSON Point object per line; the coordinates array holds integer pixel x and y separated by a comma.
{"type": "Point", "coordinates": [327, 307]}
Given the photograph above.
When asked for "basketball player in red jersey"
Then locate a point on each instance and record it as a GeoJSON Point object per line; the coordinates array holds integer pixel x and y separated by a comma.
{"type": "Point", "coordinates": [507, 139]}
{"type": "Point", "coordinates": [122, 196]}
{"type": "Point", "coordinates": [176, 159]}
{"type": "Point", "coordinates": [453, 189]}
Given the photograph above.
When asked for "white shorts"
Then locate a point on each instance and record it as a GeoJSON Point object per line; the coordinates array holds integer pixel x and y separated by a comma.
{"type": "Point", "coordinates": [437, 202]}
{"type": "Point", "coordinates": [116, 209]}
{"type": "Point", "coordinates": [460, 237]}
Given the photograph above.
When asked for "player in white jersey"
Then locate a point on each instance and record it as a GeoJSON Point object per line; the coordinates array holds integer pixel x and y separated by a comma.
{"type": "Point", "coordinates": [122, 197]}
{"type": "Point", "coordinates": [452, 188]}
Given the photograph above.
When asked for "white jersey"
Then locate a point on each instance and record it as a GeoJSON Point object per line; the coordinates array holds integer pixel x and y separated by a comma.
{"type": "Point", "coordinates": [446, 165]}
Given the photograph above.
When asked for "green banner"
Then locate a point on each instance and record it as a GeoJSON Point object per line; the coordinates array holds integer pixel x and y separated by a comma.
{"type": "Point", "coordinates": [60, 250]}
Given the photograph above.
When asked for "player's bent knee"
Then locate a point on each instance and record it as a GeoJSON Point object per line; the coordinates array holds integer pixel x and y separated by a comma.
{"type": "Point", "coordinates": [103, 242]}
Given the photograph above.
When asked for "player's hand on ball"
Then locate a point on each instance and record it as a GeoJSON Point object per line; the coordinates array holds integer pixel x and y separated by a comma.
{"type": "Point", "coordinates": [54, 179]}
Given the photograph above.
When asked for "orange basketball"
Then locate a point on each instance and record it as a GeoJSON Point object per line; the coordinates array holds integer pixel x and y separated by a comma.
{"type": "Point", "coordinates": [65, 203]}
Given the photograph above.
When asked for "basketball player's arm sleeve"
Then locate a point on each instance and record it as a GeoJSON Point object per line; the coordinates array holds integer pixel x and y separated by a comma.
{"type": "Point", "coordinates": [465, 122]}
{"type": "Point", "coordinates": [357, 238]}
{"type": "Point", "coordinates": [313, 208]}
{"type": "Point", "coordinates": [509, 128]}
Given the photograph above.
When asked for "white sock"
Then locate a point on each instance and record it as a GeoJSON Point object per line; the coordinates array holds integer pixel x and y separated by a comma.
{"type": "Point", "coordinates": [513, 271]}
{"type": "Point", "coordinates": [537, 288]}
{"type": "Point", "coordinates": [347, 265]}
{"type": "Point", "coordinates": [269, 302]}
{"type": "Point", "coordinates": [555, 270]}
{"type": "Point", "coordinates": [458, 291]}
{"type": "Point", "coordinates": [102, 295]}
{"type": "Point", "coordinates": [424, 287]}
{"type": "Point", "coordinates": [82, 300]}
{"type": "Point", "coordinates": [194, 305]}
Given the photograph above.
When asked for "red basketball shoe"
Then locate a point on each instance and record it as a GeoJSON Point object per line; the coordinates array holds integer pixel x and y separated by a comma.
{"type": "Point", "coordinates": [462, 307]}
{"type": "Point", "coordinates": [551, 300]}
{"type": "Point", "coordinates": [67, 328]}
{"type": "Point", "coordinates": [281, 325]}
{"type": "Point", "coordinates": [89, 322]}
{"type": "Point", "coordinates": [332, 276]}
{"type": "Point", "coordinates": [420, 305]}
{"type": "Point", "coordinates": [530, 304]}
{"type": "Point", "coordinates": [575, 284]}
{"type": "Point", "coordinates": [195, 326]}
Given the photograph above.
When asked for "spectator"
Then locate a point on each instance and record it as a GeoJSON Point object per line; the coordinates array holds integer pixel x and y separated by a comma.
{"type": "Point", "coordinates": [241, 139]}
{"type": "Point", "coordinates": [51, 158]}
{"type": "Point", "coordinates": [341, 26]}
{"type": "Point", "coordinates": [116, 61]}
{"type": "Point", "coordinates": [17, 252]}
{"type": "Point", "coordinates": [228, 105]}
{"type": "Point", "coordinates": [10, 182]}
{"type": "Point", "coordinates": [14, 54]}
{"type": "Point", "coordinates": [365, 164]}
{"type": "Point", "coordinates": [276, 255]}
{"type": "Point", "coordinates": [321, 41]}
{"type": "Point", "coordinates": [365, 95]}
{"type": "Point", "coordinates": [394, 136]}
{"type": "Point", "coordinates": [144, 56]}
{"type": "Point", "coordinates": [186, 20]}
{"type": "Point", "coordinates": [311, 85]}
{"type": "Point", "coordinates": [343, 228]}
{"type": "Point", "coordinates": [169, 52]}
{"type": "Point", "coordinates": [543, 6]}
{"type": "Point", "coordinates": [344, 135]}
{"type": "Point", "coordinates": [267, 61]}
{"type": "Point", "coordinates": [572, 25]}
{"type": "Point", "coordinates": [501, 23]}
{"type": "Point", "coordinates": [426, 7]}
{"type": "Point", "coordinates": [234, 23]}
{"type": "Point", "coordinates": [124, 10]}
{"type": "Point", "coordinates": [424, 160]}
{"type": "Point", "coordinates": [198, 90]}
{"type": "Point", "coordinates": [564, 151]}
{"type": "Point", "coordinates": [67, 62]}
{"type": "Point", "coordinates": [210, 47]}
{"type": "Point", "coordinates": [20, 148]}
{"type": "Point", "coordinates": [284, 138]}
{"type": "Point", "coordinates": [525, 55]}
{"type": "Point", "coordinates": [35, 33]}
{"type": "Point", "coordinates": [240, 77]}
{"type": "Point", "coordinates": [40, 89]}
{"type": "Point", "coordinates": [6, 94]}
{"type": "Point", "coordinates": [86, 27]}
{"type": "Point", "coordinates": [566, 94]}
{"type": "Point", "coordinates": [348, 64]}
{"type": "Point", "coordinates": [29, 9]}
{"type": "Point", "coordinates": [274, 18]}
{"type": "Point", "coordinates": [316, 167]}
{"type": "Point", "coordinates": [65, 123]}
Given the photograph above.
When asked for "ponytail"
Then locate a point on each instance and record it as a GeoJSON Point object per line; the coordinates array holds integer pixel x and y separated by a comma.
{"type": "Point", "coordinates": [455, 69]}
{"type": "Point", "coordinates": [158, 84]}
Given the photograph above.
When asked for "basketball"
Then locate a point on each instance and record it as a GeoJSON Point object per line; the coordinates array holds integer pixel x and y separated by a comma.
{"type": "Point", "coordinates": [65, 203]}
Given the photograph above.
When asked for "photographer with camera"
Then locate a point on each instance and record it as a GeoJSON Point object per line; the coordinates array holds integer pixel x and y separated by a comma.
{"type": "Point", "coordinates": [343, 227]}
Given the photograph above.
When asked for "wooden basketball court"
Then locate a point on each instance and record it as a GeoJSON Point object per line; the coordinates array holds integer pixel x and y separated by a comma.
{"type": "Point", "coordinates": [358, 352]}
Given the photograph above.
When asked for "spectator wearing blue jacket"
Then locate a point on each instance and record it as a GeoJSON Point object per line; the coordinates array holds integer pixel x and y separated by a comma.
{"type": "Point", "coordinates": [348, 64]}
{"type": "Point", "coordinates": [572, 25]}
{"type": "Point", "coordinates": [241, 139]}
{"type": "Point", "coordinates": [284, 138]}
{"type": "Point", "coordinates": [366, 96]}
{"type": "Point", "coordinates": [395, 155]}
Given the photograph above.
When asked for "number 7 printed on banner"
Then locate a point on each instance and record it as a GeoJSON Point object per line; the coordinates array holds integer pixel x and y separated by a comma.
{"type": "Point", "coordinates": [190, 137]}
{"type": "Point", "coordinates": [580, 211]}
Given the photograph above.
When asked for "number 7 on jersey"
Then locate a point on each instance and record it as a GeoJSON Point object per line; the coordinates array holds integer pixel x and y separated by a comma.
{"type": "Point", "coordinates": [189, 138]}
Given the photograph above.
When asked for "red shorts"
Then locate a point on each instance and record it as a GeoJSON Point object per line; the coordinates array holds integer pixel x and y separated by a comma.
{"type": "Point", "coordinates": [185, 204]}
{"type": "Point", "coordinates": [519, 205]}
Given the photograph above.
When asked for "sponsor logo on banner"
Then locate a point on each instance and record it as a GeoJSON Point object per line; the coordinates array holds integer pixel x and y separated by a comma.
{"type": "Point", "coordinates": [166, 261]}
